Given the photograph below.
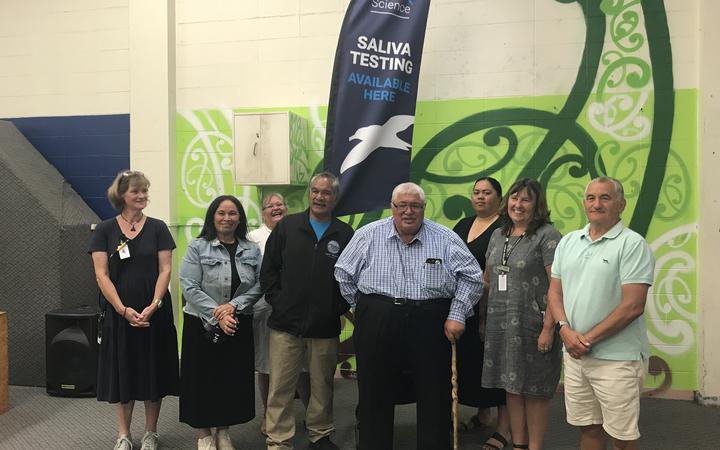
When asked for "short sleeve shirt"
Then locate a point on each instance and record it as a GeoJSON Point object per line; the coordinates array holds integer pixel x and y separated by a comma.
{"type": "Point", "coordinates": [592, 275]}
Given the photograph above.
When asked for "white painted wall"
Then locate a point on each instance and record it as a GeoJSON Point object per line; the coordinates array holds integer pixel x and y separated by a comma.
{"type": "Point", "coordinates": [60, 58]}
{"type": "Point", "coordinates": [71, 57]}
{"type": "Point", "coordinates": [256, 53]}
{"type": "Point", "coordinates": [152, 100]}
{"type": "Point", "coordinates": [280, 52]}
{"type": "Point", "coordinates": [709, 227]}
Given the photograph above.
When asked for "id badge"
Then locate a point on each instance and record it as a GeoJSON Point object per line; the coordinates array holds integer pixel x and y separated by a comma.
{"type": "Point", "coordinates": [124, 252]}
{"type": "Point", "coordinates": [502, 282]}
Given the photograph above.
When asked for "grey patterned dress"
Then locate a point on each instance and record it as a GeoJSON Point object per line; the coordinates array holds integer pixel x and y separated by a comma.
{"type": "Point", "coordinates": [515, 317]}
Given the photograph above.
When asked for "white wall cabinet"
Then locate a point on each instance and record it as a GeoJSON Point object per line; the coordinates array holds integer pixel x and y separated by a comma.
{"type": "Point", "coordinates": [271, 148]}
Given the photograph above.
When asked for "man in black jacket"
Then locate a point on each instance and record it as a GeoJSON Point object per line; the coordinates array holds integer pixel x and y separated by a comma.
{"type": "Point", "coordinates": [297, 278]}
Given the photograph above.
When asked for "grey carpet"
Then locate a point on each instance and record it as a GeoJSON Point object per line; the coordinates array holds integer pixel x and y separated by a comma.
{"type": "Point", "coordinates": [38, 421]}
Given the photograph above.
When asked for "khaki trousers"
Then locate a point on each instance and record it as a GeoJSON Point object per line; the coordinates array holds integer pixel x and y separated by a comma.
{"type": "Point", "coordinates": [288, 355]}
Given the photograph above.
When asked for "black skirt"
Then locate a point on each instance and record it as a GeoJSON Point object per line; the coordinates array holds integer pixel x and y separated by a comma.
{"type": "Point", "coordinates": [217, 381]}
{"type": "Point", "coordinates": [470, 353]}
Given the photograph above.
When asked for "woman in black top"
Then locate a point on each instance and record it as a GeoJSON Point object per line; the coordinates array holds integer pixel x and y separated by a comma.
{"type": "Point", "coordinates": [476, 232]}
{"type": "Point", "coordinates": [132, 257]}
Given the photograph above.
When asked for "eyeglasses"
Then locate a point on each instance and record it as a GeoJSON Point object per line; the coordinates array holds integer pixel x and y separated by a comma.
{"type": "Point", "coordinates": [414, 207]}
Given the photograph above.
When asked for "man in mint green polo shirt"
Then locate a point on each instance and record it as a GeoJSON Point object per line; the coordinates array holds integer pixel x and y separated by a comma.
{"type": "Point", "coordinates": [600, 279]}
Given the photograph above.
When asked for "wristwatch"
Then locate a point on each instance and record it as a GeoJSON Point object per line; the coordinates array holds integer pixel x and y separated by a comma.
{"type": "Point", "coordinates": [158, 302]}
{"type": "Point", "coordinates": [561, 323]}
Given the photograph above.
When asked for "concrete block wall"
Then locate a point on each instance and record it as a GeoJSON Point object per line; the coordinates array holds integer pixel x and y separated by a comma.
{"type": "Point", "coordinates": [480, 57]}
{"type": "Point", "coordinates": [64, 82]}
{"type": "Point", "coordinates": [64, 58]}
{"type": "Point", "coordinates": [279, 53]}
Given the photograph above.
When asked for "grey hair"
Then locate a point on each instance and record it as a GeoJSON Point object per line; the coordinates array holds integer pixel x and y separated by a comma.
{"type": "Point", "coordinates": [329, 176]}
{"type": "Point", "coordinates": [266, 198]}
{"type": "Point", "coordinates": [604, 179]}
{"type": "Point", "coordinates": [408, 188]}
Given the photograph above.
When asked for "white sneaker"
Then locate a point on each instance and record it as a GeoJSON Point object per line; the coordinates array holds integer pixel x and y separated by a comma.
{"type": "Point", "coordinates": [223, 440]}
{"type": "Point", "coordinates": [123, 443]}
{"type": "Point", "coordinates": [207, 443]}
{"type": "Point", "coordinates": [149, 441]}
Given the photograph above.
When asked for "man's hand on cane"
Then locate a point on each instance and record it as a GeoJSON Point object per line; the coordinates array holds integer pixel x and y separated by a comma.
{"type": "Point", "coordinates": [453, 330]}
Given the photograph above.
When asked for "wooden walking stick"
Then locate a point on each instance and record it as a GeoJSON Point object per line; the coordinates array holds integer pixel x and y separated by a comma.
{"type": "Point", "coordinates": [454, 394]}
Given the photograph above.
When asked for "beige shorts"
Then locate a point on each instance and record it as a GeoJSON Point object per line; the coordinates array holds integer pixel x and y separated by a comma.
{"type": "Point", "coordinates": [601, 391]}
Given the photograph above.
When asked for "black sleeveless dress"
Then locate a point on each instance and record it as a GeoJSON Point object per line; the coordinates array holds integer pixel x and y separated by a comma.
{"type": "Point", "coordinates": [136, 363]}
{"type": "Point", "coordinates": [470, 348]}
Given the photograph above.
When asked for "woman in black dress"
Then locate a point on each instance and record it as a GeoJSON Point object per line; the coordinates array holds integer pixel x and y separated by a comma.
{"type": "Point", "coordinates": [476, 232]}
{"type": "Point", "coordinates": [132, 257]}
{"type": "Point", "coordinates": [219, 278]}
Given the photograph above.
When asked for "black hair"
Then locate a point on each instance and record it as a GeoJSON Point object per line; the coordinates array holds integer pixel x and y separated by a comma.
{"type": "Point", "coordinates": [493, 182]}
{"type": "Point", "coordinates": [209, 232]}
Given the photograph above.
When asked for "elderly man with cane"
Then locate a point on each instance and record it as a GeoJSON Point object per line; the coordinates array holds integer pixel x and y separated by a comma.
{"type": "Point", "coordinates": [412, 283]}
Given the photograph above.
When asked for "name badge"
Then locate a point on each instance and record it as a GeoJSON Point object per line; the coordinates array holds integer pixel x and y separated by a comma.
{"type": "Point", "coordinates": [124, 251]}
{"type": "Point", "coordinates": [502, 282]}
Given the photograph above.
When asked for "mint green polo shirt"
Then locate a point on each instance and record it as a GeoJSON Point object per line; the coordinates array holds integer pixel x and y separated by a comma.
{"type": "Point", "coordinates": [592, 275]}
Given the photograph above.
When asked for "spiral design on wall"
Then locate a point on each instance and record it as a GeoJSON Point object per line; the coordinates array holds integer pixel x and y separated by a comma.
{"type": "Point", "coordinates": [670, 306]}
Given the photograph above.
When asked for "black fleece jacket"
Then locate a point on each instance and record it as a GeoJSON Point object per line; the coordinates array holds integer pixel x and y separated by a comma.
{"type": "Point", "coordinates": [298, 280]}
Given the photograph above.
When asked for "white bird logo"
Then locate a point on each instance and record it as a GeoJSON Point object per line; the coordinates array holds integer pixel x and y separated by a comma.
{"type": "Point", "coordinates": [373, 137]}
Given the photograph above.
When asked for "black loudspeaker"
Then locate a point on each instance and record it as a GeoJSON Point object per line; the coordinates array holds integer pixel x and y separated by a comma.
{"type": "Point", "coordinates": [71, 351]}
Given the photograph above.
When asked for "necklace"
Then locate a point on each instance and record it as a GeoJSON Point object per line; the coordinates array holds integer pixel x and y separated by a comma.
{"type": "Point", "coordinates": [132, 224]}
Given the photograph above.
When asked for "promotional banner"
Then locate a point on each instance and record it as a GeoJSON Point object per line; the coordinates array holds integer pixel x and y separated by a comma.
{"type": "Point", "coordinates": [371, 110]}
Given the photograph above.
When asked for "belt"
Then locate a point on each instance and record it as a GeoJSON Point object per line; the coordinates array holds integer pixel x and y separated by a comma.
{"type": "Point", "coordinates": [409, 301]}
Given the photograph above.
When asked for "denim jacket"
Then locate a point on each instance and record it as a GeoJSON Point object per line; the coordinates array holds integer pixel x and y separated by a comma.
{"type": "Point", "coordinates": [205, 278]}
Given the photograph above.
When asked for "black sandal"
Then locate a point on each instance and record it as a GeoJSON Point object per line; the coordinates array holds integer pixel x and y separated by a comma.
{"type": "Point", "coordinates": [498, 437]}
{"type": "Point", "coordinates": [521, 446]}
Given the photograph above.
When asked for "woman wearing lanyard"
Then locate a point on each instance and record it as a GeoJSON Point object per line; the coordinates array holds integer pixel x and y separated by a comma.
{"type": "Point", "coordinates": [522, 354]}
{"type": "Point", "coordinates": [138, 360]}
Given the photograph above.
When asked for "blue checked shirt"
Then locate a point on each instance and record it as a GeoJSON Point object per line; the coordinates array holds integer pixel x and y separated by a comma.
{"type": "Point", "coordinates": [436, 264]}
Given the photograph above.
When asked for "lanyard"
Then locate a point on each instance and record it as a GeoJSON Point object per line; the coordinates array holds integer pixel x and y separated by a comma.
{"type": "Point", "coordinates": [507, 252]}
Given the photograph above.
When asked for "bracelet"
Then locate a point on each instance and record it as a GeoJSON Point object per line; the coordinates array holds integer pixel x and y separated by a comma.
{"type": "Point", "coordinates": [124, 311]}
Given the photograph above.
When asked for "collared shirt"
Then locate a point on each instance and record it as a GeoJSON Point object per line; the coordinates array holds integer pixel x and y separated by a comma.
{"type": "Point", "coordinates": [592, 275]}
{"type": "Point", "coordinates": [205, 277]}
{"type": "Point", "coordinates": [436, 264]}
{"type": "Point", "coordinates": [260, 237]}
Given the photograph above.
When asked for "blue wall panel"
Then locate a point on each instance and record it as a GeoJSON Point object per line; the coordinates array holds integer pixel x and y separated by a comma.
{"type": "Point", "coordinates": [87, 150]}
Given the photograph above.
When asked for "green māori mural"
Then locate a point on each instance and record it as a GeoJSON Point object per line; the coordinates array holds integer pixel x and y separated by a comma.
{"type": "Point", "coordinates": [622, 118]}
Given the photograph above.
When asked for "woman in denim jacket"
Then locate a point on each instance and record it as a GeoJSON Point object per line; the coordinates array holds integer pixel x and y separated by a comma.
{"type": "Point", "coordinates": [219, 278]}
